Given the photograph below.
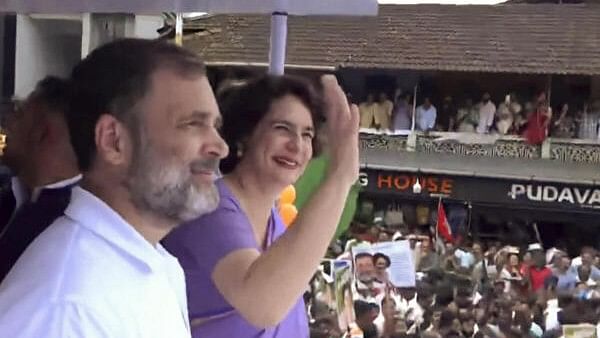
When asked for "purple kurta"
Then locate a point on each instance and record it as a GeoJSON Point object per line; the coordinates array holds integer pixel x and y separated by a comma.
{"type": "Point", "coordinates": [200, 245]}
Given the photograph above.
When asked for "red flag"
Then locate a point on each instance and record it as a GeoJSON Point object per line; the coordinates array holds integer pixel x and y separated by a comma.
{"type": "Point", "coordinates": [443, 227]}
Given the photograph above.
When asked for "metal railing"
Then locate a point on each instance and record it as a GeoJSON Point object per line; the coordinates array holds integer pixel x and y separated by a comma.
{"type": "Point", "coordinates": [470, 144]}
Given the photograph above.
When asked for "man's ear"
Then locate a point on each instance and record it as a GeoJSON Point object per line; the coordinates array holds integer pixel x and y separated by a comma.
{"type": "Point", "coordinates": [113, 140]}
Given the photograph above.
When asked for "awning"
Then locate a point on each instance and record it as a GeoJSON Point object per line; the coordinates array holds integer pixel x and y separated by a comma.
{"type": "Point", "coordinates": [536, 170]}
{"type": "Point", "coordinates": [292, 7]}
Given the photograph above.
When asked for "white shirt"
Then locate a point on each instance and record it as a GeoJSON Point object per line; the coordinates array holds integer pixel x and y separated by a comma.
{"type": "Point", "coordinates": [91, 274]}
{"type": "Point", "coordinates": [551, 314]}
{"type": "Point", "coordinates": [486, 117]}
{"type": "Point", "coordinates": [426, 117]}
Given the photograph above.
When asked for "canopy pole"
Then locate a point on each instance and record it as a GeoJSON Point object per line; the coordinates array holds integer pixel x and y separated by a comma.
{"type": "Point", "coordinates": [179, 29]}
{"type": "Point", "coordinates": [549, 91]}
{"type": "Point", "coordinates": [278, 43]}
{"type": "Point", "coordinates": [414, 108]}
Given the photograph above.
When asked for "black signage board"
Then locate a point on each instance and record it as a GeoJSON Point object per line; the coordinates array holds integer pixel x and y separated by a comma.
{"type": "Point", "coordinates": [519, 193]}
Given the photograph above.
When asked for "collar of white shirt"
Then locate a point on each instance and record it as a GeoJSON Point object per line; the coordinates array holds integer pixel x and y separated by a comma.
{"type": "Point", "coordinates": [94, 214]}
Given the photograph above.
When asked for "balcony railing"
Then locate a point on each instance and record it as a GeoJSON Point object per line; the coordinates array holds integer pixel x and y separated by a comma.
{"type": "Point", "coordinates": [469, 144]}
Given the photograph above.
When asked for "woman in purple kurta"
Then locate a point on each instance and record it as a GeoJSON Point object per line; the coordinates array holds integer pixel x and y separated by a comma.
{"type": "Point", "coordinates": [199, 245]}
{"type": "Point", "coordinates": [245, 273]}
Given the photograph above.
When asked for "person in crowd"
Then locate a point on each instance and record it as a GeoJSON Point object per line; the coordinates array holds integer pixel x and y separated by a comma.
{"type": "Point", "coordinates": [146, 140]}
{"type": "Point", "coordinates": [505, 119]}
{"type": "Point", "coordinates": [467, 117]}
{"type": "Point", "coordinates": [429, 259]}
{"type": "Point", "coordinates": [538, 122]}
{"type": "Point", "coordinates": [564, 125]}
{"type": "Point", "coordinates": [367, 112]}
{"type": "Point", "coordinates": [241, 254]}
{"type": "Point", "coordinates": [383, 112]}
{"type": "Point", "coordinates": [588, 122]}
{"type": "Point", "coordinates": [364, 319]}
{"type": "Point", "coordinates": [445, 121]}
{"type": "Point", "coordinates": [511, 274]}
{"type": "Point", "coordinates": [566, 278]}
{"type": "Point", "coordinates": [426, 115]}
{"type": "Point", "coordinates": [584, 273]}
{"type": "Point", "coordinates": [538, 272]}
{"type": "Point", "coordinates": [586, 258]}
{"type": "Point", "coordinates": [402, 115]}
{"type": "Point", "coordinates": [40, 155]}
{"type": "Point", "coordinates": [465, 257]}
{"type": "Point", "coordinates": [487, 114]}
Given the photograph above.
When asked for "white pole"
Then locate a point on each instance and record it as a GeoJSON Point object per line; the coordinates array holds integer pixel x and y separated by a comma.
{"type": "Point", "coordinates": [179, 29]}
{"type": "Point", "coordinates": [414, 108]}
{"type": "Point", "coordinates": [278, 43]}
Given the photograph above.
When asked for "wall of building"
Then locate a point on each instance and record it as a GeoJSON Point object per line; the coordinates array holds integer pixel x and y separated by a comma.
{"type": "Point", "coordinates": [44, 47]}
{"type": "Point", "coordinates": [595, 88]}
{"type": "Point", "coordinates": [52, 45]}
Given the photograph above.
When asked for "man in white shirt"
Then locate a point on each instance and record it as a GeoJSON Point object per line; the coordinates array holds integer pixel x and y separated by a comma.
{"type": "Point", "coordinates": [143, 122]}
{"type": "Point", "coordinates": [426, 115]}
{"type": "Point", "coordinates": [487, 112]}
{"type": "Point", "coordinates": [40, 156]}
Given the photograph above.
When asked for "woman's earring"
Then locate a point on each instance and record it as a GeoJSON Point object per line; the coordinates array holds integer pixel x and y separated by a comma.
{"type": "Point", "coordinates": [240, 150]}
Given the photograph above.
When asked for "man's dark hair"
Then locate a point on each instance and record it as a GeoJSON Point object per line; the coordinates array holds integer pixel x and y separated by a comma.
{"type": "Point", "coordinates": [446, 319]}
{"type": "Point", "coordinates": [361, 308]}
{"type": "Point", "coordinates": [363, 255]}
{"type": "Point", "coordinates": [113, 79]}
{"type": "Point", "coordinates": [379, 255]}
{"type": "Point", "coordinates": [244, 106]}
{"type": "Point", "coordinates": [54, 93]}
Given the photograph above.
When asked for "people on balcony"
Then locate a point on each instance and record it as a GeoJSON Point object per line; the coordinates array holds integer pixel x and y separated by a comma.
{"type": "Point", "coordinates": [426, 115]}
{"type": "Point", "coordinates": [467, 117]}
{"type": "Point", "coordinates": [402, 112]}
{"type": "Point", "coordinates": [445, 121]}
{"type": "Point", "coordinates": [564, 125]}
{"type": "Point", "coordinates": [505, 119]}
{"type": "Point", "coordinates": [487, 113]}
{"type": "Point", "coordinates": [589, 120]}
{"type": "Point", "coordinates": [367, 112]}
{"type": "Point", "coordinates": [531, 120]}
{"type": "Point", "coordinates": [383, 112]}
{"type": "Point", "coordinates": [538, 122]}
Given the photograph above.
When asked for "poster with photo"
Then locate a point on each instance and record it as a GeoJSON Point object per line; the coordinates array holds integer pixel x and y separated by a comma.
{"type": "Point", "coordinates": [579, 331]}
{"type": "Point", "coordinates": [389, 263]}
{"type": "Point", "coordinates": [331, 286]}
{"type": "Point", "coordinates": [342, 272]}
{"type": "Point", "coordinates": [322, 286]}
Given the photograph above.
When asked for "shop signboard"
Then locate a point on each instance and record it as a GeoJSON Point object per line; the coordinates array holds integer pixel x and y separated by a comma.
{"type": "Point", "coordinates": [483, 190]}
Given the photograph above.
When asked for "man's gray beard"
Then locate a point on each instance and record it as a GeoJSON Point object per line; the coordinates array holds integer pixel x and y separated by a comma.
{"type": "Point", "coordinates": [168, 191]}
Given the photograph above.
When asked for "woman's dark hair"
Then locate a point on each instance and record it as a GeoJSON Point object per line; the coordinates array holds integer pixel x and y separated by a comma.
{"type": "Point", "coordinates": [243, 106]}
{"type": "Point", "coordinates": [379, 255]}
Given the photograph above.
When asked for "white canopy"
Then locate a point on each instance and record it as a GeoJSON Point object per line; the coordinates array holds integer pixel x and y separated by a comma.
{"type": "Point", "coordinates": [292, 7]}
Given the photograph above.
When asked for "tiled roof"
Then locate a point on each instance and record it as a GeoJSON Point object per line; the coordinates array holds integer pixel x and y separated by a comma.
{"type": "Point", "coordinates": [524, 38]}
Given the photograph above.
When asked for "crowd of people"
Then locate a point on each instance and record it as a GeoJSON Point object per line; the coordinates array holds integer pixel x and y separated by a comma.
{"type": "Point", "coordinates": [470, 288]}
{"type": "Point", "coordinates": [142, 205]}
{"type": "Point", "coordinates": [534, 119]}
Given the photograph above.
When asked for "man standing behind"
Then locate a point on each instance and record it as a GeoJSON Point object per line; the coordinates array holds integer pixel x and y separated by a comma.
{"type": "Point", "coordinates": [383, 112]}
{"type": "Point", "coordinates": [143, 122]}
{"type": "Point", "coordinates": [487, 112]}
{"type": "Point", "coordinates": [426, 115]}
{"type": "Point", "coordinates": [367, 112]}
{"type": "Point", "coordinates": [39, 153]}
